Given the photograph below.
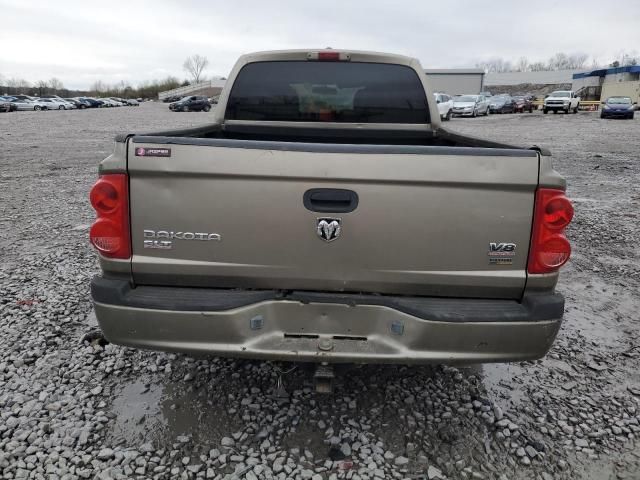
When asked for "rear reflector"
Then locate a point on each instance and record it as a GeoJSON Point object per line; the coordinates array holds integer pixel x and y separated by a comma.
{"type": "Point", "coordinates": [110, 232]}
{"type": "Point", "coordinates": [550, 249]}
{"type": "Point", "coordinates": [329, 56]}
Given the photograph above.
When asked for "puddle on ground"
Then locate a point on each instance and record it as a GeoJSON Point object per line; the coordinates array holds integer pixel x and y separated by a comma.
{"type": "Point", "coordinates": [160, 412]}
{"type": "Point", "coordinates": [503, 383]}
{"type": "Point", "coordinates": [137, 408]}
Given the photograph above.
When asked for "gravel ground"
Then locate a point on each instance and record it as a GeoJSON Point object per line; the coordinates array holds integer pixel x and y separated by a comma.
{"type": "Point", "coordinates": [73, 409]}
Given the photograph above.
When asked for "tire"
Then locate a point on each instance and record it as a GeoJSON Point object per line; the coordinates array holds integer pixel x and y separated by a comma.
{"type": "Point", "coordinates": [602, 115]}
{"type": "Point", "coordinates": [575, 110]}
{"type": "Point", "coordinates": [447, 117]}
{"type": "Point", "coordinates": [185, 109]}
{"type": "Point", "coordinates": [566, 112]}
{"type": "Point", "coordinates": [474, 114]}
{"type": "Point", "coordinates": [37, 107]}
{"type": "Point", "coordinates": [555, 111]}
{"type": "Point", "coordinates": [206, 108]}
{"type": "Point", "coordinates": [631, 116]}
{"type": "Point", "coordinates": [545, 111]}
{"type": "Point", "coordinates": [61, 107]}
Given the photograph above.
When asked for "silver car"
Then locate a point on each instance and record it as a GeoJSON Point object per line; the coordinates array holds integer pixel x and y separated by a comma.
{"type": "Point", "coordinates": [55, 104]}
{"type": "Point", "coordinates": [470, 105]}
{"type": "Point", "coordinates": [27, 104]}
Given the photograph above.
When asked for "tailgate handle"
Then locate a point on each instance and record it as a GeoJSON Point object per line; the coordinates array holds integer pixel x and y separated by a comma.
{"type": "Point", "coordinates": [330, 200]}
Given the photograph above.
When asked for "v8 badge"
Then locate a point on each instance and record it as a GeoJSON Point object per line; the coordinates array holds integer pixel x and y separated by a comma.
{"type": "Point", "coordinates": [501, 253]}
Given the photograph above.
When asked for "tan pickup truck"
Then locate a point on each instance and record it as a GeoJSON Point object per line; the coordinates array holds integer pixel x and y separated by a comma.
{"type": "Point", "coordinates": [325, 215]}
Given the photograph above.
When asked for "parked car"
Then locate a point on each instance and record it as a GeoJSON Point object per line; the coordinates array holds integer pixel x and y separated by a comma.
{"type": "Point", "coordinates": [470, 105]}
{"type": "Point", "coordinates": [118, 101]}
{"type": "Point", "coordinates": [502, 104]}
{"type": "Point", "coordinates": [445, 105]}
{"type": "Point", "coordinates": [193, 103]}
{"type": "Point", "coordinates": [51, 96]}
{"type": "Point", "coordinates": [618, 107]}
{"type": "Point", "coordinates": [351, 263]}
{"type": "Point", "coordinates": [78, 103]}
{"type": "Point", "coordinates": [68, 105]}
{"type": "Point", "coordinates": [23, 97]}
{"type": "Point", "coordinates": [522, 104]}
{"type": "Point", "coordinates": [6, 105]}
{"type": "Point", "coordinates": [92, 102]}
{"type": "Point", "coordinates": [561, 101]}
{"type": "Point", "coordinates": [27, 104]}
{"type": "Point", "coordinates": [55, 104]}
{"type": "Point", "coordinates": [107, 102]}
{"type": "Point", "coordinates": [132, 102]}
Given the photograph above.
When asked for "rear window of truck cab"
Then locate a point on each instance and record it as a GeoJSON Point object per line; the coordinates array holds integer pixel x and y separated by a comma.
{"type": "Point", "coordinates": [346, 92]}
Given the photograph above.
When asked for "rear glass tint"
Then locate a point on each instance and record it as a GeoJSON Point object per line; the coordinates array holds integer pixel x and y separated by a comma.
{"type": "Point", "coordinates": [302, 91]}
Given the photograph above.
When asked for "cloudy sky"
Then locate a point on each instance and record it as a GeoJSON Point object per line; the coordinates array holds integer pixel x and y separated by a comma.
{"type": "Point", "coordinates": [81, 41]}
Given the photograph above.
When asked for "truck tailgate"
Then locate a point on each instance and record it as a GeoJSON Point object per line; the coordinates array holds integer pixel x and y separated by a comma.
{"type": "Point", "coordinates": [442, 221]}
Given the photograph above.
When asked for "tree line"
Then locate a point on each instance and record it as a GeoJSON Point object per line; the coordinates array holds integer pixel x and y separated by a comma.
{"type": "Point", "coordinates": [53, 86]}
{"type": "Point", "coordinates": [559, 61]}
{"type": "Point", "coordinates": [194, 66]}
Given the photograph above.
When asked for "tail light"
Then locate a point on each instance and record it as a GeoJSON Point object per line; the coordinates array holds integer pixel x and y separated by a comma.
{"type": "Point", "coordinates": [329, 56]}
{"type": "Point", "coordinates": [550, 248]}
{"type": "Point", "coordinates": [110, 232]}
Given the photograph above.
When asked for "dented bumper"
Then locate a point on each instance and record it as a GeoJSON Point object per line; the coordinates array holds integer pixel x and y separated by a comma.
{"type": "Point", "coordinates": [326, 327]}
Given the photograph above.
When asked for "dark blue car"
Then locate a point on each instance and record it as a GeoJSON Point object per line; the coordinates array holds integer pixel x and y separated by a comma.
{"type": "Point", "coordinates": [617, 107]}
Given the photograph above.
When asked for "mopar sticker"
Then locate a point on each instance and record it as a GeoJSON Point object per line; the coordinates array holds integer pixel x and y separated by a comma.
{"type": "Point", "coordinates": [153, 152]}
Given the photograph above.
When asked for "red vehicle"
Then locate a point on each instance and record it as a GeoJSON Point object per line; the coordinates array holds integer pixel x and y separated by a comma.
{"type": "Point", "coordinates": [522, 103]}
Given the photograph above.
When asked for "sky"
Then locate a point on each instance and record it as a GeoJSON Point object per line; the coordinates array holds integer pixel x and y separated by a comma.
{"type": "Point", "coordinates": [82, 41]}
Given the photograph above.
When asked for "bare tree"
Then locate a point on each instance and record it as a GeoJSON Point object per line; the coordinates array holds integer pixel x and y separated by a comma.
{"type": "Point", "coordinates": [55, 84]}
{"type": "Point", "coordinates": [22, 84]}
{"type": "Point", "coordinates": [560, 61]}
{"type": "Point", "coordinates": [194, 66]}
{"type": "Point", "coordinates": [564, 61]}
{"type": "Point", "coordinates": [577, 60]}
{"type": "Point", "coordinates": [538, 67]}
{"type": "Point", "coordinates": [495, 65]}
{"type": "Point", "coordinates": [42, 86]}
{"type": "Point", "coordinates": [97, 87]}
{"type": "Point", "coordinates": [522, 65]}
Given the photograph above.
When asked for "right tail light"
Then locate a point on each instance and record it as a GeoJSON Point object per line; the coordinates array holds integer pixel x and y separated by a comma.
{"type": "Point", "coordinates": [110, 232]}
{"type": "Point", "coordinates": [550, 248]}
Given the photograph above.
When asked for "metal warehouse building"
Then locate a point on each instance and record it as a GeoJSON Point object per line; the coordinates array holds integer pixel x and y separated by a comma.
{"type": "Point", "coordinates": [456, 81]}
{"type": "Point", "coordinates": [616, 81]}
{"type": "Point", "coordinates": [552, 77]}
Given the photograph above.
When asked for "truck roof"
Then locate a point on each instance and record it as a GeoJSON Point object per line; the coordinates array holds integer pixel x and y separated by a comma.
{"type": "Point", "coordinates": [303, 54]}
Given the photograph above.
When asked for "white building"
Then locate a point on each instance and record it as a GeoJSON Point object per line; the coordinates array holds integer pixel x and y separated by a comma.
{"type": "Point", "coordinates": [456, 80]}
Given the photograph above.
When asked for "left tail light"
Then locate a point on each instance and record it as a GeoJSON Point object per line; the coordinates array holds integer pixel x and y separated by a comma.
{"type": "Point", "coordinates": [110, 232]}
